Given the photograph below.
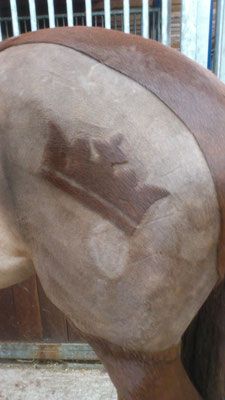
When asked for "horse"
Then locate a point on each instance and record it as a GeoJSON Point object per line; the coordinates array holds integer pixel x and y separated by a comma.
{"type": "Point", "coordinates": [112, 168]}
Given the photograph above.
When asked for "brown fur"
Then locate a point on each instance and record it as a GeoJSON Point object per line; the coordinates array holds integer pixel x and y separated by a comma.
{"type": "Point", "coordinates": [94, 181]}
{"type": "Point", "coordinates": [144, 376]}
{"type": "Point", "coordinates": [192, 93]}
{"type": "Point", "coordinates": [152, 66]}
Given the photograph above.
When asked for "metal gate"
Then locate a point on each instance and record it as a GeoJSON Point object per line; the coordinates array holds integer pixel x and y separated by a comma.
{"type": "Point", "coordinates": [195, 23]}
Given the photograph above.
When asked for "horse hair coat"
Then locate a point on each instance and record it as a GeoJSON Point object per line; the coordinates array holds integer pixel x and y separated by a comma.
{"type": "Point", "coordinates": [112, 168]}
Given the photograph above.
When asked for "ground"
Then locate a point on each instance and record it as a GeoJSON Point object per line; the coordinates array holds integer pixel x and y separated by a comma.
{"type": "Point", "coordinates": [26, 381]}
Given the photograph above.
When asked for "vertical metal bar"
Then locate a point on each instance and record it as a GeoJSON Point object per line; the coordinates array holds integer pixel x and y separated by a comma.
{"type": "Point", "coordinates": [69, 10]}
{"type": "Point", "coordinates": [15, 21]}
{"type": "Point", "coordinates": [210, 36]}
{"type": "Point", "coordinates": [145, 18]}
{"type": "Point", "coordinates": [159, 25]}
{"type": "Point", "coordinates": [220, 41]}
{"type": "Point", "coordinates": [153, 26]}
{"type": "Point", "coordinates": [150, 25]}
{"type": "Point", "coordinates": [126, 15]}
{"type": "Point", "coordinates": [195, 29]}
{"type": "Point", "coordinates": [189, 28]}
{"type": "Point", "coordinates": [166, 22]}
{"type": "Point", "coordinates": [135, 23]}
{"type": "Point", "coordinates": [88, 12]}
{"type": "Point", "coordinates": [33, 15]}
{"type": "Point", "coordinates": [116, 25]}
{"type": "Point", "coordinates": [203, 27]}
{"type": "Point", "coordinates": [7, 29]}
{"type": "Point", "coordinates": [51, 13]}
{"type": "Point", "coordinates": [1, 37]}
{"type": "Point", "coordinates": [107, 14]}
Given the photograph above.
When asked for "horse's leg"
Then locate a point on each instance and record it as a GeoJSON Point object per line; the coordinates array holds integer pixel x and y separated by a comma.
{"type": "Point", "coordinates": [140, 376]}
{"type": "Point", "coordinates": [15, 261]}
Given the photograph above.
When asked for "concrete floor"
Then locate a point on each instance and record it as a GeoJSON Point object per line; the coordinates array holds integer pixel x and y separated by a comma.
{"type": "Point", "coordinates": [32, 381]}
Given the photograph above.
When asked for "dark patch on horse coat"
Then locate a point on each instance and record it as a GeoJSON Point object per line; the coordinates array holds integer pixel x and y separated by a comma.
{"type": "Point", "coordinates": [93, 180]}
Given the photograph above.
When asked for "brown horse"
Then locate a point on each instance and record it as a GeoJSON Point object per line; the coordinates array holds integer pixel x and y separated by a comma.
{"type": "Point", "coordinates": [112, 168]}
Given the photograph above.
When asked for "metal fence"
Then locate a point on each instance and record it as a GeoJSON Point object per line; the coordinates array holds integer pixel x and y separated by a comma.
{"type": "Point", "coordinates": [118, 21]}
{"type": "Point", "coordinates": [195, 23]}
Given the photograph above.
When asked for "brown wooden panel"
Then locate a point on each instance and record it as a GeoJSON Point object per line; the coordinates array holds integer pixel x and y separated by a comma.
{"type": "Point", "coordinates": [53, 321]}
{"type": "Point", "coordinates": [27, 310]}
{"type": "Point", "coordinates": [26, 314]}
{"type": "Point", "coordinates": [204, 347]}
{"type": "Point", "coordinates": [8, 323]}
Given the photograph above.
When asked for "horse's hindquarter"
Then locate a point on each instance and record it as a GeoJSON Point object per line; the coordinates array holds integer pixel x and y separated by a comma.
{"type": "Point", "coordinates": [113, 196]}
